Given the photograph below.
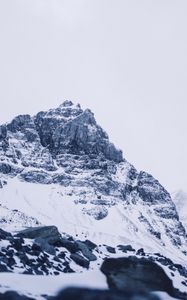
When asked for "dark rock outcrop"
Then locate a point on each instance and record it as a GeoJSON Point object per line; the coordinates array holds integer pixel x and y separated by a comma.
{"type": "Point", "coordinates": [42, 251]}
{"type": "Point", "coordinates": [4, 234]}
{"type": "Point", "coordinates": [49, 233]}
{"type": "Point", "coordinates": [74, 132]}
{"type": "Point", "coordinates": [98, 213]}
{"type": "Point", "coordinates": [86, 251]}
{"type": "Point", "coordinates": [42, 244]}
{"type": "Point", "coordinates": [125, 248]}
{"type": "Point", "coordinates": [90, 294]}
{"type": "Point", "coordinates": [128, 273]}
{"type": "Point", "coordinates": [36, 177]}
{"type": "Point", "coordinates": [3, 132]}
{"type": "Point", "coordinates": [5, 168]}
{"type": "Point", "coordinates": [21, 123]}
{"type": "Point", "coordinates": [80, 260]}
{"type": "Point", "coordinates": [11, 295]}
{"type": "Point", "coordinates": [146, 183]}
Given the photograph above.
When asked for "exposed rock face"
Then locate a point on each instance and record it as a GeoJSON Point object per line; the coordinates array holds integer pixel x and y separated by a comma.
{"type": "Point", "coordinates": [3, 132]}
{"type": "Point", "coordinates": [23, 146]}
{"type": "Point", "coordinates": [49, 233]}
{"type": "Point", "coordinates": [4, 234]}
{"type": "Point", "coordinates": [144, 188]}
{"type": "Point", "coordinates": [70, 130]}
{"type": "Point", "coordinates": [66, 149]}
{"type": "Point", "coordinates": [140, 274]}
{"type": "Point", "coordinates": [180, 200]}
{"type": "Point", "coordinates": [98, 213]}
{"type": "Point", "coordinates": [48, 122]}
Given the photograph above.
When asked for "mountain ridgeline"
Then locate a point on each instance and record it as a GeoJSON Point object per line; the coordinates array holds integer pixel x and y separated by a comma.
{"type": "Point", "coordinates": [66, 149]}
{"type": "Point", "coordinates": [70, 202]}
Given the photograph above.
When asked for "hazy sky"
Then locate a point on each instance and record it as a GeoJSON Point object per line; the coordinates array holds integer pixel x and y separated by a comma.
{"type": "Point", "coordinates": [124, 59]}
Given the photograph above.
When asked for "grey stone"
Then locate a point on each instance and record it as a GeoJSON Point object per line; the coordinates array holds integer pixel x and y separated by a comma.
{"type": "Point", "coordinates": [44, 245]}
{"type": "Point", "coordinates": [3, 132]}
{"type": "Point", "coordinates": [85, 251]}
{"type": "Point", "coordinates": [36, 177]}
{"type": "Point", "coordinates": [80, 260]}
{"type": "Point", "coordinates": [91, 294]}
{"type": "Point", "coordinates": [11, 295]}
{"type": "Point", "coordinates": [130, 272]}
{"type": "Point", "coordinates": [48, 233]}
{"type": "Point", "coordinates": [4, 234]}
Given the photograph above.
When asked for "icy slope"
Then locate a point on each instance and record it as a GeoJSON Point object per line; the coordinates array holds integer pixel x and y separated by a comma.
{"type": "Point", "coordinates": [180, 200]}
{"type": "Point", "coordinates": [54, 205]}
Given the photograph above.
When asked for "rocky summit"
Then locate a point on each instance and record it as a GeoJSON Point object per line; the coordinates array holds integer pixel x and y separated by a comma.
{"type": "Point", "coordinates": [69, 200]}
{"type": "Point", "coordinates": [37, 141]}
{"type": "Point", "coordinates": [67, 150]}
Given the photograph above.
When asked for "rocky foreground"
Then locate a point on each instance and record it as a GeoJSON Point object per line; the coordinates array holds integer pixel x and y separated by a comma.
{"type": "Point", "coordinates": [44, 251]}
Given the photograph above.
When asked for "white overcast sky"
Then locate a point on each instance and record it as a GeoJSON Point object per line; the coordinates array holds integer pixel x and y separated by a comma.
{"type": "Point", "coordinates": [126, 60]}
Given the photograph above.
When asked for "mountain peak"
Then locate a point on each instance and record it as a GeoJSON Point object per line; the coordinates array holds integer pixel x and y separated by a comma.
{"type": "Point", "coordinates": [65, 111]}
{"type": "Point", "coordinates": [66, 103]}
{"type": "Point", "coordinates": [69, 129]}
{"type": "Point", "coordinates": [69, 103]}
{"type": "Point", "coordinates": [66, 147]}
{"type": "Point", "coordinates": [66, 129]}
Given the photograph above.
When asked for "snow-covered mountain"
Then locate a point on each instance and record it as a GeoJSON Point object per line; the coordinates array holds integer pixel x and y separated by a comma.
{"type": "Point", "coordinates": [60, 168]}
{"type": "Point", "coordinates": [180, 200]}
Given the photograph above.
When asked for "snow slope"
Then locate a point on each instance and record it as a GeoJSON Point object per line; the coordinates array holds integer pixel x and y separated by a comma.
{"type": "Point", "coordinates": [54, 205]}
{"type": "Point", "coordinates": [36, 286]}
{"type": "Point", "coordinates": [180, 200]}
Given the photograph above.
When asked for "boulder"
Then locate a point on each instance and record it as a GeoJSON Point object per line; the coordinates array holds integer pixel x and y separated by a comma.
{"type": "Point", "coordinates": [91, 246]}
{"type": "Point", "coordinates": [111, 249]}
{"type": "Point", "coordinates": [48, 233]}
{"type": "Point", "coordinates": [129, 273]}
{"type": "Point", "coordinates": [85, 251]}
{"type": "Point", "coordinates": [125, 248]}
{"type": "Point", "coordinates": [91, 294]}
{"type": "Point", "coordinates": [80, 260]}
{"type": "Point", "coordinates": [4, 235]}
{"type": "Point", "coordinates": [71, 246]}
{"type": "Point", "coordinates": [42, 244]}
{"type": "Point", "coordinates": [11, 295]}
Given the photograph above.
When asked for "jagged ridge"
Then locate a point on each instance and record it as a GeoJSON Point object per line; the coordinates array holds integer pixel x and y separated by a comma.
{"type": "Point", "coordinates": [65, 147]}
